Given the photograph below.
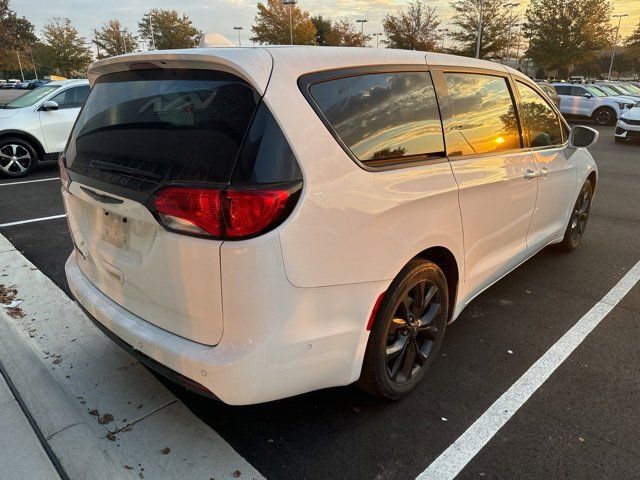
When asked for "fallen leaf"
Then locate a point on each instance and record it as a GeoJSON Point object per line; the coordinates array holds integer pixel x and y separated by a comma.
{"type": "Point", "coordinates": [94, 412]}
{"type": "Point", "coordinates": [165, 451]}
{"type": "Point", "coordinates": [128, 467]}
{"type": "Point", "coordinates": [236, 474]}
{"type": "Point", "coordinates": [105, 419]}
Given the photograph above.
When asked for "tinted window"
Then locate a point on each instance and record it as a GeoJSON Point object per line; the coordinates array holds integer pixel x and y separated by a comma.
{"type": "Point", "coordinates": [483, 115]}
{"type": "Point", "coordinates": [266, 156]}
{"type": "Point", "coordinates": [72, 97]}
{"type": "Point", "coordinates": [563, 89]}
{"type": "Point", "coordinates": [383, 116]}
{"type": "Point", "coordinates": [142, 128]}
{"type": "Point", "coordinates": [541, 120]}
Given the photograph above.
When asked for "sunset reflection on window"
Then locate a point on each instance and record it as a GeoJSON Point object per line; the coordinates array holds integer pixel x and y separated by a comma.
{"type": "Point", "coordinates": [483, 117]}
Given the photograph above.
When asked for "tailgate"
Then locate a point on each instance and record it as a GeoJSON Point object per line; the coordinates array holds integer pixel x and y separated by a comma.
{"type": "Point", "coordinates": [170, 280]}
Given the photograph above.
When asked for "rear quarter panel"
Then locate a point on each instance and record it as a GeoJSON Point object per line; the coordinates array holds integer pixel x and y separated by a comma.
{"type": "Point", "coordinates": [352, 225]}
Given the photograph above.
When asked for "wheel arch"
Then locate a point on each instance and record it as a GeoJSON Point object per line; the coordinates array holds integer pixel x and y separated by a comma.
{"type": "Point", "coordinates": [27, 137]}
{"type": "Point", "coordinates": [446, 260]}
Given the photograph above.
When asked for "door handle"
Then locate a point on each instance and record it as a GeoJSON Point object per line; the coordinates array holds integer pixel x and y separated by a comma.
{"type": "Point", "coordinates": [544, 172]}
{"type": "Point", "coordinates": [531, 174]}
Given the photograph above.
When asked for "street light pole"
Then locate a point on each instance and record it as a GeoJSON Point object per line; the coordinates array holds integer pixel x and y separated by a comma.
{"type": "Point", "coordinates": [35, 72]}
{"type": "Point", "coordinates": [291, 3]}
{"type": "Point", "coordinates": [362, 21]}
{"type": "Point", "coordinates": [479, 38]}
{"type": "Point", "coordinates": [239, 41]}
{"type": "Point", "coordinates": [20, 64]}
{"type": "Point", "coordinates": [377, 35]}
{"type": "Point", "coordinates": [153, 38]}
{"type": "Point", "coordinates": [509, 6]}
{"type": "Point", "coordinates": [124, 43]}
{"type": "Point", "coordinates": [443, 34]}
{"type": "Point", "coordinates": [619, 17]}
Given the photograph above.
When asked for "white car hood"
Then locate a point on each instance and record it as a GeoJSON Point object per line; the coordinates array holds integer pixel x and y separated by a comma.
{"type": "Point", "coordinates": [632, 114]}
{"type": "Point", "coordinates": [625, 99]}
{"type": "Point", "coordinates": [8, 112]}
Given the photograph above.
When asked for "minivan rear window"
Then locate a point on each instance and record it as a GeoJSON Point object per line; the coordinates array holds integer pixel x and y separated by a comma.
{"type": "Point", "coordinates": [140, 129]}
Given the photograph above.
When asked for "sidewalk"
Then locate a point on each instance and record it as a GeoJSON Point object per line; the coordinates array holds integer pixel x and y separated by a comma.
{"type": "Point", "coordinates": [22, 456]}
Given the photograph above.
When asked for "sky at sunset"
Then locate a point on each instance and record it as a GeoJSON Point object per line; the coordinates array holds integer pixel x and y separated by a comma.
{"type": "Point", "coordinates": [222, 15]}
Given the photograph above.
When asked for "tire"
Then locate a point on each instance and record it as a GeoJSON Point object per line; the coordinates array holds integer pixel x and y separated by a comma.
{"type": "Point", "coordinates": [406, 336]}
{"type": "Point", "coordinates": [578, 219]}
{"type": "Point", "coordinates": [604, 116]}
{"type": "Point", "coordinates": [17, 157]}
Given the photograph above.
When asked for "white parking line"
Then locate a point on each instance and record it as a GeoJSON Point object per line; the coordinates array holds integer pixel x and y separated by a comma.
{"type": "Point", "coordinates": [29, 181]}
{"type": "Point", "coordinates": [22, 222]}
{"type": "Point", "coordinates": [451, 462]}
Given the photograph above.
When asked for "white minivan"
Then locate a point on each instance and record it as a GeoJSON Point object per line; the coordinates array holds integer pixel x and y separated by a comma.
{"type": "Point", "coordinates": [256, 223]}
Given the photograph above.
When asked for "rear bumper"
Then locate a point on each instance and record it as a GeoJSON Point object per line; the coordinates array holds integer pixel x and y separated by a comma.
{"type": "Point", "coordinates": [318, 341]}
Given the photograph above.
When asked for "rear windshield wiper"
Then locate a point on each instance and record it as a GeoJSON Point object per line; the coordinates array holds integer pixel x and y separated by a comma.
{"type": "Point", "coordinates": [110, 167]}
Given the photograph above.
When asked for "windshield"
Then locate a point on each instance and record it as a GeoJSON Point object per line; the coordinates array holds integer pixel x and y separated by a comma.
{"type": "Point", "coordinates": [624, 89]}
{"type": "Point", "coordinates": [608, 89]}
{"type": "Point", "coordinates": [32, 97]}
{"type": "Point", "coordinates": [595, 91]}
{"type": "Point", "coordinates": [632, 88]}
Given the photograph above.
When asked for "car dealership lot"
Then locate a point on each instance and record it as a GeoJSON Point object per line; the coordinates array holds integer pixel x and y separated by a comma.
{"type": "Point", "coordinates": [580, 424]}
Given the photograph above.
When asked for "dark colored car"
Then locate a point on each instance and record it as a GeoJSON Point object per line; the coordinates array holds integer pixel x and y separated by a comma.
{"type": "Point", "coordinates": [33, 84]}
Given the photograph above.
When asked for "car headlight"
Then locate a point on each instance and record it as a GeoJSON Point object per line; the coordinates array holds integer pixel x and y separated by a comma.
{"type": "Point", "coordinates": [624, 105]}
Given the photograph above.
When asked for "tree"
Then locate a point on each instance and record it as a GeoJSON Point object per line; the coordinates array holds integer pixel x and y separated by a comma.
{"type": "Point", "coordinates": [323, 28]}
{"type": "Point", "coordinates": [496, 23]}
{"type": "Point", "coordinates": [272, 25]}
{"type": "Point", "coordinates": [343, 33]}
{"type": "Point", "coordinates": [564, 33]}
{"type": "Point", "coordinates": [113, 39]}
{"type": "Point", "coordinates": [69, 55]}
{"type": "Point", "coordinates": [16, 35]}
{"type": "Point", "coordinates": [632, 49]}
{"type": "Point", "coordinates": [413, 29]}
{"type": "Point", "coordinates": [170, 30]}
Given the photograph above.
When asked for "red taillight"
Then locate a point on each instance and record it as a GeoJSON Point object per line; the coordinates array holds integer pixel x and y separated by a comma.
{"type": "Point", "coordinates": [190, 210]}
{"type": "Point", "coordinates": [247, 212]}
{"type": "Point", "coordinates": [231, 213]}
{"type": "Point", "coordinates": [64, 175]}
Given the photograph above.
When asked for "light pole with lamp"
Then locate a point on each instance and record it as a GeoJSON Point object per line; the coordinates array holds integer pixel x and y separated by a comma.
{"type": "Point", "coordinates": [377, 35]}
{"type": "Point", "coordinates": [443, 34]}
{"type": "Point", "coordinates": [291, 3]}
{"type": "Point", "coordinates": [153, 38]}
{"type": "Point", "coordinates": [35, 72]}
{"type": "Point", "coordinates": [510, 6]}
{"type": "Point", "coordinates": [238, 30]}
{"type": "Point", "coordinates": [479, 36]}
{"type": "Point", "coordinates": [619, 17]}
{"type": "Point", "coordinates": [124, 43]}
{"type": "Point", "coordinates": [362, 21]}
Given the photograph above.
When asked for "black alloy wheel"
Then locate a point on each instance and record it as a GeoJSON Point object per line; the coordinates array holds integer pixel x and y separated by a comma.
{"type": "Point", "coordinates": [578, 219]}
{"type": "Point", "coordinates": [408, 331]}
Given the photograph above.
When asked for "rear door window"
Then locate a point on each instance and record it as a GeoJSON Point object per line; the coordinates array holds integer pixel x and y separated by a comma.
{"type": "Point", "coordinates": [73, 97]}
{"type": "Point", "coordinates": [141, 129]}
{"type": "Point", "coordinates": [484, 118]}
{"type": "Point", "coordinates": [383, 118]}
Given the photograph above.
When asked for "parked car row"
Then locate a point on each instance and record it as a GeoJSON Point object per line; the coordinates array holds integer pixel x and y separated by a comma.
{"type": "Point", "coordinates": [26, 85]}
{"type": "Point", "coordinates": [602, 103]}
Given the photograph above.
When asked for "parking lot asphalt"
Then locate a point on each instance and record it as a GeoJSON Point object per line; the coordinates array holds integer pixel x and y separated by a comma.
{"type": "Point", "coordinates": [582, 422]}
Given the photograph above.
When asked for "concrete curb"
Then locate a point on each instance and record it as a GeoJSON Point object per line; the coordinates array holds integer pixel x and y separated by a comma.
{"type": "Point", "coordinates": [77, 448]}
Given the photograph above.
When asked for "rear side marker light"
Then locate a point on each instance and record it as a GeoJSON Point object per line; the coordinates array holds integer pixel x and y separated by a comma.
{"type": "Point", "coordinates": [228, 213]}
{"type": "Point", "coordinates": [374, 312]}
{"type": "Point", "coordinates": [64, 174]}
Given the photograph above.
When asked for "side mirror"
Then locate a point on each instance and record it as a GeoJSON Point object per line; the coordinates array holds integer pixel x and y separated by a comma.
{"type": "Point", "coordinates": [582, 136]}
{"type": "Point", "coordinates": [587, 95]}
{"type": "Point", "coordinates": [49, 105]}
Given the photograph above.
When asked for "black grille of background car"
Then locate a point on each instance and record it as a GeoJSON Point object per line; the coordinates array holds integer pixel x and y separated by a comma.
{"type": "Point", "coordinates": [631, 122]}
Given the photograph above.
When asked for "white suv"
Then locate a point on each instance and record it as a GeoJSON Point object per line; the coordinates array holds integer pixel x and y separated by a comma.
{"type": "Point", "coordinates": [590, 102]}
{"type": "Point", "coordinates": [257, 223]}
{"type": "Point", "coordinates": [36, 125]}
